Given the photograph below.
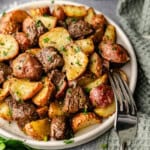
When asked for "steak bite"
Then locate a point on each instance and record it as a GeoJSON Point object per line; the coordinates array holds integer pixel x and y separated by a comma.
{"type": "Point", "coordinates": [22, 112]}
{"type": "Point", "coordinates": [50, 59]}
{"type": "Point", "coordinates": [75, 100]}
{"type": "Point", "coordinates": [79, 29]}
{"type": "Point", "coordinates": [58, 128]}
{"type": "Point", "coordinates": [27, 66]}
{"type": "Point", "coordinates": [58, 79]}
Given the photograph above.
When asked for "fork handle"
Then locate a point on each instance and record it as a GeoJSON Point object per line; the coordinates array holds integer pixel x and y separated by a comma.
{"type": "Point", "coordinates": [123, 146]}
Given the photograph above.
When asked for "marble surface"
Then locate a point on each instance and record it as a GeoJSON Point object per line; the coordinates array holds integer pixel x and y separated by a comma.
{"type": "Point", "coordinates": [108, 7]}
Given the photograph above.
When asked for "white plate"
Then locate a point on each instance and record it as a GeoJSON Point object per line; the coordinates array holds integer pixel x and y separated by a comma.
{"type": "Point", "coordinates": [90, 133]}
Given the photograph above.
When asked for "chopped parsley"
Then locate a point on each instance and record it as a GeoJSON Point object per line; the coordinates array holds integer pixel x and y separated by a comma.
{"type": "Point", "coordinates": [77, 49]}
{"type": "Point", "coordinates": [78, 63]}
{"type": "Point", "coordinates": [38, 23]}
{"type": "Point", "coordinates": [49, 58]}
{"type": "Point", "coordinates": [4, 13]}
{"type": "Point", "coordinates": [5, 53]}
{"type": "Point", "coordinates": [46, 40]}
{"type": "Point", "coordinates": [45, 15]}
{"type": "Point", "coordinates": [63, 49]}
{"type": "Point", "coordinates": [104, 146]}
{"type": "Point", "coordinates": [1, 43]}
{"type": "Point", "coordinates": [69, 38]}
{"type": "Point", "coordinates": [69, 91]}
{"type": "Point", "coordinates": [69, 141]}
{"type": "Point", "coordinates": [74, 20]}
{"type": "Point", "coordinates": [85, 110]}
{"type": "Point", "coordinates": [87, 90]}
{"type": "Point", "coordinates": [52, 1]}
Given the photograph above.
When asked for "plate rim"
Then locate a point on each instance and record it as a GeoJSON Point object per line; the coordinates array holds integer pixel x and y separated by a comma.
{"type": "Point", "coordinates": [98, 131]}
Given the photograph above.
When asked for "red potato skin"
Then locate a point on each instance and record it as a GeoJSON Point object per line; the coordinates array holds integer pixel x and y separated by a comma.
{"type": "Point", "coordinates": [101, 96]}
{"type": "Point", "coordinates": [113, 52]}
{"type": "Point", "coordinates": [59, 12]}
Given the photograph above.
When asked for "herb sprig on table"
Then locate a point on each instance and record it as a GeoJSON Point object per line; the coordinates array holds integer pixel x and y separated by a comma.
{"type": "Point", "coordinates": [10, 144]}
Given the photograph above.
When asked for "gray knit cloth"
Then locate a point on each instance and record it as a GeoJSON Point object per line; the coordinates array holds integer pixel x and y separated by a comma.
{"type": "Point", "coordinates": [134, 16]}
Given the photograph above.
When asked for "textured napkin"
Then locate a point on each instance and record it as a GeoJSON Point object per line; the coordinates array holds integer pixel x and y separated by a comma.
{"type": "Point", "coordinates": [134, 17]}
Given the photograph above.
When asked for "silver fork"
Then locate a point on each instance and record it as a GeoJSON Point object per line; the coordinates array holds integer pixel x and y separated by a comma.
{"type": "Point", "coordinates": [126, 112]}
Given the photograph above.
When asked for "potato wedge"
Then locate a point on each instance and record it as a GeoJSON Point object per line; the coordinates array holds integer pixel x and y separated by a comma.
{"type": "Point", "coordinates": [5, 111]}
{"type": "Point", "coordinates": [22, 89]}
{"type": "Point", "coordinates": [9, 47]}
{"type": "Point", "coordinates": [4, 92]}
{"type": "Point", "coordinates": [110, 34]}
{"type": "Point", "coordinates": [90, 14]}
{"type": "Point", "coordinates": [83, 120]}
{"type": "Point", "coordinates": [41, 11]}
{"type": "Point", "coordinates": [75, 61]}
{"type": "Point", "coordinates": [42, 98]}
{"type": "Point", "coordinates": [48, 21]}
{"type": "Point", "coordinates": [57, 37]}
{"type": "Point", "coordinates": [74, 11]}
{"type": "Point", "coordinates": [106, 111]}
{"type": "Point", "coordinates": [101, 80]}
{"type": "Point", "coordinates": [33, 51]}
{"type": "Point", "coordinates": [55, 109]}
{"type": "Point", "coordinates": [86, 45]}
{"type": "Point", "coordinates": [96, 64]}
{"type": "Point", "coordinates": [39, 129]}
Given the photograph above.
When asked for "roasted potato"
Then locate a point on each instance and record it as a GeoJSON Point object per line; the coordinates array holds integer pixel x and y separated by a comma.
{"type": "Point", "coordinates": [90, 15]}
{"type": "Point", "coordinates": [41, 11]}
{"type": "Point", "coordinates": [86, 45]}
{"type": "Point", "coordinates": [75, 61]}
{"type": "Point", "coordinates": [55, 109]}
{"type": "Point", "coordinates": [74, 11]}
{"type": "Point", "coordinates": [48, 21]}
{"type": "Point", "coordinates": [96, 64]}
{"type": "Point", "coordinates": [33, 51]}
{"type": "Point", "coordinates": [83, 120]}
{"type": "Point", "coordinates": [110, 34]}
{"type": "Point", "coordinates": [57, 38]}
{"type": "Point", "coordinates": [99, 21]}
{"type": "Point", "coordinates": [22, 89]}
{"type": "Point", "coordinates": [106, 111]}
{"type": "Point", "coordinates": [5, 111]}
{"type": "Point", "coordinates": [58, 12]}
{"type": "Point", "coordinates": [113, 52]}
{"type": "Point", "coordinates": [4, 92]}
{"type": "Point", "coordinates": [42, 98]}
{"type": "Point", "coordinates": [101, 80]}
{"type": "Point", "coordinates": [39, 129]}
{"type": "Point", "coordinates": [9, 23]}
{"type": "Point", "coordinates": [9, 47]}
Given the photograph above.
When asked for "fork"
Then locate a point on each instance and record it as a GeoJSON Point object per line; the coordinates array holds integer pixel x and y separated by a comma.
{"type": "Point", "coordinates": [126, 112]}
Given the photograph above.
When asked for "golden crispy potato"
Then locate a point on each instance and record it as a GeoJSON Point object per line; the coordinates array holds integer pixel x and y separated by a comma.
{"type": "Point", "coordinates": [90, 14]}
{"type": "Point", "coordinates": [57, 37]}
{"type": "Point", "coordinates": [55, 109]}
{"type": "Point", "coordinates": [22, 89]}
{"type": "Point", "coordinates": [48, 21]}
{"type": "Point", "coordinates": [39, 129]}
{"type": "Point", "coordinates": [86, 45]}
{"type": "Point", "coordinates": [74, 11]}
{"type": "Point", "coordinates": [5, 111]}
{"type": "Point", "coordinates": [106, 111]}
{"type": "Point", "coordinates": [75, 61]}
{"type": "Point", "coordinates": [33, 51]}
{"type": "Point", "coordinates": [58, 12]}
{"type": "Point", "coordinates": [4, 92]}
{"type": "Point", "coordinates": [96, 64]}
{"type": "Point", "coordinates": [101, 80]}
{"type": "Point", "coordinates": [82, 120]}
{"type": "Point", "coordinates": [9, 47]}
{"type": "Point", "coordinates": [41, 11]}
{"type": "Point", "coordinates": [42, 98]}
{"type": "Point", "coordinates": [110, 34]}
{"type": "Point", "coordinates": [9, 23]}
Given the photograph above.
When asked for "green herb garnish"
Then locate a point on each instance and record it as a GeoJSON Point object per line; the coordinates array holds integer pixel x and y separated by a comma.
{"type": "Point", "coordinates": [63, 49]}
{"type": "Point", "coordinates": [1, 43]}
{"type": "Point", "coordinates": [46, 40]}
{"type": "Point", "coordinates": [38, 23]}
{"type": "Point", "coordinates": [87, 90]}
{"type": "Point", "coordinates": [69, 141]}
{"type": "Point", "coordinates": [45, 138]}
{"type": "Point", "coordinates": [52, 1]}
{"type": "Point", "coordinates": [104, 146]}
{"type": "Point", "coordinates": [4, 13]}
{"type": "Point", "coordinates": [49, 58]}
{"type": "Point", "coordinates": [78, 63]}
{"type": "Point", "coordinates": [85, 110]}
{"type": "Point", "coordinates": [5, 53]}
{"type": "Point", "coordinates": [74, 20]}
{"type": "Point", "coordinates": [69, 38]}
{"type": "Point", "coordinates": [77, 49]}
